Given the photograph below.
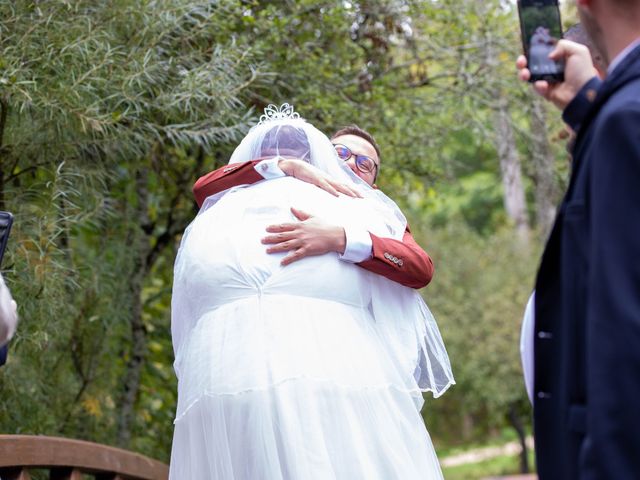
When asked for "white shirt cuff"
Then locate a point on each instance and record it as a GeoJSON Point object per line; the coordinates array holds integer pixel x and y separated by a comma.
{"type": "Point", "coordinates": [526, 344]}
{"type": "Point", "coordinates": [359, 245]}
{"type": "Point", "coordinates": [269, 168]}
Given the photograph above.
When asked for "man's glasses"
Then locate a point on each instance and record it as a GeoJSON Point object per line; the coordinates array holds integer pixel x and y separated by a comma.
{"type": "Point", "coordinates": [363, 163]}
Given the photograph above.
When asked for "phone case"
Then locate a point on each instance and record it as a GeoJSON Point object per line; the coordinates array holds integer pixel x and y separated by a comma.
{"type": "Point", "coordinates": [553, 22]}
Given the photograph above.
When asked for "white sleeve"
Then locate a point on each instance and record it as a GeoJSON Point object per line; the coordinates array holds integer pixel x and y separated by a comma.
{"type": "Point", "coordinates": [269, 168]}
{"type": "Point", "coordinates": [358, 247]}
{"type": "Point", "coordinates": [526, 345]}
{"type": "Point", "coordinates": [8, 316]}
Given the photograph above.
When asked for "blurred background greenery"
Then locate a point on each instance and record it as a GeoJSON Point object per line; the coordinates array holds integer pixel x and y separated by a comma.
{"type": "Point", "coordinates": [110, 110]}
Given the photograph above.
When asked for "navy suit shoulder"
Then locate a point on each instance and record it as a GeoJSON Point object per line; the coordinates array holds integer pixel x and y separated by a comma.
{"type": "Point", "coordinates": [3, 355]}
{"type": "Point", "coordinates": [587, 360]}
{"type": "Point", "coordinates": [625, 102]}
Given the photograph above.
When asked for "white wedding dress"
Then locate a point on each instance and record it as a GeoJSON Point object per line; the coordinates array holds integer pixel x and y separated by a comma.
{"type": "Point", "coordinates": [292, 373]}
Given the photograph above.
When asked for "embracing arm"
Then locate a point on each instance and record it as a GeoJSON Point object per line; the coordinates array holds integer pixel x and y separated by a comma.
{"type": "Point", "coordinates": [266, 169]}
{"type": "Point", "coordinates": [224, 178]}
{"type": "Point", "coordinates": [403, 261]}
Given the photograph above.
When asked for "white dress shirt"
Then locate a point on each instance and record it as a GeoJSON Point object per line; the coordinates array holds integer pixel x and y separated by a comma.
{"type": "Point", "coordinates": [8, 315]}
{"type": "Point", "coordinates": [526, 344]}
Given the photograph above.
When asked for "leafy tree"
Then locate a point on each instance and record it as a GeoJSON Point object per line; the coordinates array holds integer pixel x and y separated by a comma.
{"type": "Point", "coordinates": [108, 112]}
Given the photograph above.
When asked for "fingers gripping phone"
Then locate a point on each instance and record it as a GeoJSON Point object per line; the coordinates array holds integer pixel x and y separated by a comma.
{"type": "Point", "coordinates": [541, 28]}
{"type": "Point", "coordinates": [6, 220]}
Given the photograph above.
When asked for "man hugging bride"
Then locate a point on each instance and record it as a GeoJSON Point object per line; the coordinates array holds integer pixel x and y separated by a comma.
{"type": "Point", "coordinates": [311, 370]}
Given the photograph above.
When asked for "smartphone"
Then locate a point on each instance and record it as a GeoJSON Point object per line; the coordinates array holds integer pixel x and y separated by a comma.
{"type": "Point", "coordinates": [541, 28]}
{"type": "Point", "coordinates": [6, 220]}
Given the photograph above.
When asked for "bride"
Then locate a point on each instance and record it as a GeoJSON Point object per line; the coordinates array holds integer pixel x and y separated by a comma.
{"type": "Point", "coordinates": [313, 370]}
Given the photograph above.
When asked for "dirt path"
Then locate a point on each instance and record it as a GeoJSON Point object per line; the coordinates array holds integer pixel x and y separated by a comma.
{"type": "Point", "coordinates": [480, 454]}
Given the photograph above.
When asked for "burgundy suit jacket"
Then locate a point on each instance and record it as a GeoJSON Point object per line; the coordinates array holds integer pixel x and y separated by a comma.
{"type": "Point", "coordinates": [403, 261]}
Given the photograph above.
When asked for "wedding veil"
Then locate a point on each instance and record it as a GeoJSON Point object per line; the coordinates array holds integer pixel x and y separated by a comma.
{"type": "Point", "coordinates": [405, 324]}
{"type": "Point", "coordinates": [293, 137]}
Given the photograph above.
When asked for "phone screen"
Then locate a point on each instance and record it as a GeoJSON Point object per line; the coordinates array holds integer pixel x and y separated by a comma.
{"type": "Point", "coordinates": [6, 220]}
{"type": "Point", "coordinates": [541, 29]}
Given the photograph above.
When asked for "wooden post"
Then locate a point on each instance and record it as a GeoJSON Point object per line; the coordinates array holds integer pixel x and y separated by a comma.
{"type": "Point", "coordinates": [65, 474]}
{"type": "Point", "coordinates": [14, 474]}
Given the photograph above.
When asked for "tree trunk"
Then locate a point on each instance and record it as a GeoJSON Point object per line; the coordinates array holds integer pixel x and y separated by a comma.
{"type": "Point", "coordinates": [467, 426]}
{"type": "Point", "coordinates": [514, 199]}
{"type": "Point", "coordinates": [139, 246]}
{"type": "Point", "coordinates": [544, 175]}
{"type": "Point", "coordinates": [147, 241]}
{"type": "Point", "coordinates": [516, 423]}
{"type": "Point", "coordinates": [4, 110]}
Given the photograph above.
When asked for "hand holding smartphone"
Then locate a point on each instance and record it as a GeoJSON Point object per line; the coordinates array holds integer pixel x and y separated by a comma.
{"type": "Point", "coordinates": [541, 28]}
{"type": "Point", "coordinates": [6, 220]}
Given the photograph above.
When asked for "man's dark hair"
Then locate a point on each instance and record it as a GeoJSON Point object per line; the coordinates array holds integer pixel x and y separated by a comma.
{"type": "Point", "coordinates": [358, 132]}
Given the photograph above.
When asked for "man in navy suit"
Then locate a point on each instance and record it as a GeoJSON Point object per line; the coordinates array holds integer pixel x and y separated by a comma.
{"type": "Point", "coordinates": [587, 307]}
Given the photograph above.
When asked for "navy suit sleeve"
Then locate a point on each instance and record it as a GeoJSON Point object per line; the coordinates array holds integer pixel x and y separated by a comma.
{"type": "Point", "coordinates": [612, 449]}
{"type": "Point", "coordinates": [577, 110]}
{"type": "Point", "coordinates": [3, 355]}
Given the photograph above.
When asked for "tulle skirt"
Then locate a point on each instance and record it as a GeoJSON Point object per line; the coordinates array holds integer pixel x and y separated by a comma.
{"type": "Point", "coordinates": [286, 387]}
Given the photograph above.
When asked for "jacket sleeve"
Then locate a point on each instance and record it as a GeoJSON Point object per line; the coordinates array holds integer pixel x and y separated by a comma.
{"type": "Point", "coordinates": [613, 299]}
{"type": "Point", "coordinates": [224, 178]}
{"type": "Point", "coordinates": [403, 261]}
{"type": "Point", "coordinates": [577, 109]}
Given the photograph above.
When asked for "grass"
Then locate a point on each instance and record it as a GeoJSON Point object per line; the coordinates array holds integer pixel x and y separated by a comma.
{"type": "Point", "coordinates": [503, 465]}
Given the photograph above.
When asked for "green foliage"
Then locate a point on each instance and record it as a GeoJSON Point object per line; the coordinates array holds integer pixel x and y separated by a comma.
{"type": "Point", "coordinates": [478, 295]}
{"type": "Point", "coordinates": [110, 110]}
{"type": "Point", "coordinates": [494, 467]}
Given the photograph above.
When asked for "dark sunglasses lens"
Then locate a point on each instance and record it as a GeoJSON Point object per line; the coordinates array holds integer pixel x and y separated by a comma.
{"type": "Point", "coordinates": [364, 164]}
{"type": "Point", "coordinates": [343, 152]}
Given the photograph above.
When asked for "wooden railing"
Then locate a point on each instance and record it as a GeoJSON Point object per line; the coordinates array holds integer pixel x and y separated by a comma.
{"type": "Point", "coordinates": [67, 459]}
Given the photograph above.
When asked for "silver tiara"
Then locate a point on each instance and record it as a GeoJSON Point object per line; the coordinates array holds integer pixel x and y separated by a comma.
{"type": "Point", "coordinates": [272, 112]}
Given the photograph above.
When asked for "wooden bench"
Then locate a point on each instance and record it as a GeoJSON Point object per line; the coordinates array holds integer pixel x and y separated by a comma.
{"type": "Point", "coordinates": [67, 459]}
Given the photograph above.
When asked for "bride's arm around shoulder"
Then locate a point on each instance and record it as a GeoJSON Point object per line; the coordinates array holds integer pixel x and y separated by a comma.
{"type": "Point", "coordinates": [224, 178]}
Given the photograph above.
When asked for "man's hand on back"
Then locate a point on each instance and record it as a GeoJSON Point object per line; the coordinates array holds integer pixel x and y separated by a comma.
{"type": "Point", "coordinates": [311, 236]}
